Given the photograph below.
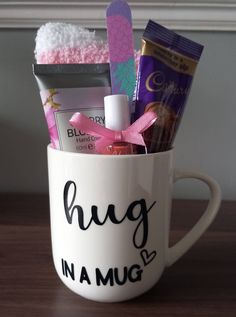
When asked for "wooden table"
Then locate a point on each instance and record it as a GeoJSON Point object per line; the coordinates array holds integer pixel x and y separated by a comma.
{"type": "Point", "coordinates": [202, 283]}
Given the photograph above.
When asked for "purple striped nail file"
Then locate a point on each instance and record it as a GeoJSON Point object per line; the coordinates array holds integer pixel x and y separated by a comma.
{"type": "Point", "coordinates": [121, 48]}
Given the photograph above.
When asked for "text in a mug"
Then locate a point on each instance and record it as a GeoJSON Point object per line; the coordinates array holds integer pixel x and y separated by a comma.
{"type": "Point", "coordinates": [111, 277]}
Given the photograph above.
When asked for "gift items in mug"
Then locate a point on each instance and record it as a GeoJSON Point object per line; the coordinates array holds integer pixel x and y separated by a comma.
{"type": "Point", "coordinates": [112, 114]}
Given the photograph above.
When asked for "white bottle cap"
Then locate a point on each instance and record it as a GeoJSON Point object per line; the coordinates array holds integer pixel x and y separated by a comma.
{"type": "Point", "coordinates": [117, 114]}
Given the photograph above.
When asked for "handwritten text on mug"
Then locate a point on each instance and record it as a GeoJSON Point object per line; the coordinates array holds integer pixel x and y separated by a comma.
{"type": "Point", "coordinates": [136, 211]}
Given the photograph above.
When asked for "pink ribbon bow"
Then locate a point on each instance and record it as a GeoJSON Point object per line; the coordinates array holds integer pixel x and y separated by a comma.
{"type": "Point", "coordinates": [133, 134]}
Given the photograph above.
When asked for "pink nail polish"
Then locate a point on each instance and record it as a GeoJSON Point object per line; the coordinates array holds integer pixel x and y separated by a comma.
{"type": "Point", "coordinates": [117, 118]}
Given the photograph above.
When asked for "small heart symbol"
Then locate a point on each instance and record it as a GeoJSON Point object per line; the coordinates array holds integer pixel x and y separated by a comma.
{"type": "Point", "coordinates": [147, 257]}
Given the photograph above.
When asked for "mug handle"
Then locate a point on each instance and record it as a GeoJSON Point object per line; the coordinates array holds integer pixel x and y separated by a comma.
{"type": "Point", "coordinates": [176, 251]}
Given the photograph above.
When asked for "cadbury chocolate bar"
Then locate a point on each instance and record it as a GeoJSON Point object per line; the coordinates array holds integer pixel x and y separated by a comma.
{"type": "Point", "coordinates": [167, 66]}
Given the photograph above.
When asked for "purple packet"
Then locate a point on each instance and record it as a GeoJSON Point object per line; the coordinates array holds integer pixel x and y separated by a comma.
{"type": "Point", "coordinates": [167, 66]}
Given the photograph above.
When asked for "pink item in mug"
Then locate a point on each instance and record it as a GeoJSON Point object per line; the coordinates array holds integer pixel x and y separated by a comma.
{"type": "Point", "coordinates": [93, 54]}
{"type": "Point", "coordinates": [64, 43]}
{"type": "Point", "coordinates": [132, 134]}
{"type": "Point", "coordinates": [121, 49]}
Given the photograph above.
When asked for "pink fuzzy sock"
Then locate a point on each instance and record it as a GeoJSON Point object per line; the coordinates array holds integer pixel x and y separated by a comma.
{"type": "Point", "coordinates": [63, 43]}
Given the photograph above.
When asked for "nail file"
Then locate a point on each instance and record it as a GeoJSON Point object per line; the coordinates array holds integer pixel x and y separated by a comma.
{"type": "Point", "coordinates": [121, 48]}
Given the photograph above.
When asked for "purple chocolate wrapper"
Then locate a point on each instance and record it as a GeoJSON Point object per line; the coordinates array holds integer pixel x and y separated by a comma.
{"type": "Point", "coordinates": [167, 66]}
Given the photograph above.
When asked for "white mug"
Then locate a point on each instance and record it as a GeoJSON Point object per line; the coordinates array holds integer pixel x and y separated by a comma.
{"type": "Point", "coordinates": [110, 220]}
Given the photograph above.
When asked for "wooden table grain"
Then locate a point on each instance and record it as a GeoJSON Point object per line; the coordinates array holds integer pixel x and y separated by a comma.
{"type": "Point", "coordinates": [201, 284]}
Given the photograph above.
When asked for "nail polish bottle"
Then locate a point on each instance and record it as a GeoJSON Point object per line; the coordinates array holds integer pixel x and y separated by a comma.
{"type": "Point", "coordinates": [117, 118]}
